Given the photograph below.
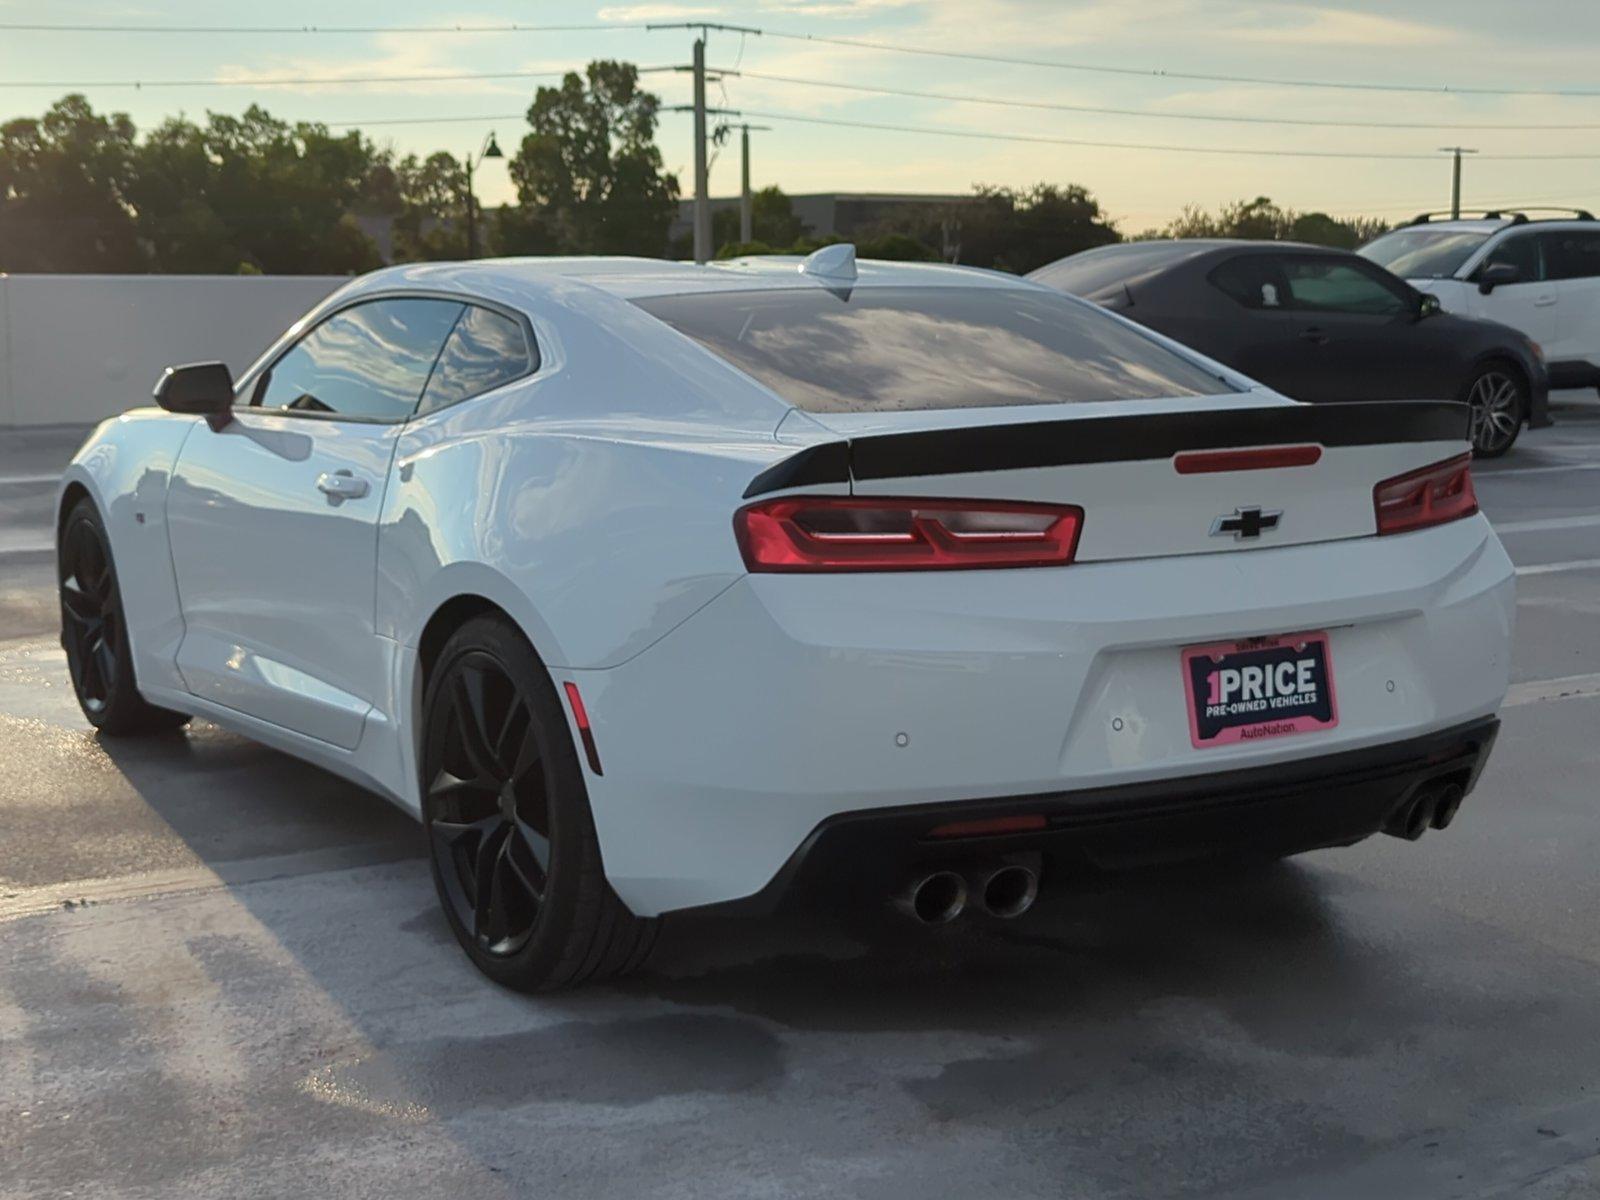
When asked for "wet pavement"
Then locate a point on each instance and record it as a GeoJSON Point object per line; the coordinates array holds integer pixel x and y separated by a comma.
{"type": "Point", "coordinates": [225, 973]}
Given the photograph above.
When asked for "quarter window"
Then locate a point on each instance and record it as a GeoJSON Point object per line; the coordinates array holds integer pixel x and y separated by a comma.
{"type": "Point", "coordinates": [369, 361]}
{"type": "Point", "coordinates": [1571, 254]}
{"type": "Point", "coordinates": [1331, 285]}
{"type": "Point", "coordinates": [1251, 279]}
{"type": "Point", "coordinates": [484, 351]}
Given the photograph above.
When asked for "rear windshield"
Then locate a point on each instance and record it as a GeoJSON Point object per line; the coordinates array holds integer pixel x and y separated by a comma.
{"type": "Point", "coordinates": [1424, 253]}
{"type": "Point", "coordinates": [1093, 271]}
{"type": "Point", "coordinates": [894, 349]}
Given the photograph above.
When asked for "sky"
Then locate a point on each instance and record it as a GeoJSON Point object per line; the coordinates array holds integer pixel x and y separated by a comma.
{"type": "Point", "coordinates": [1535, 46]}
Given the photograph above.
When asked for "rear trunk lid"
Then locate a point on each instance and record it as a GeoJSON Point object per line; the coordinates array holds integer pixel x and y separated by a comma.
{"type": "Point", "coordinates": [1154, 478]}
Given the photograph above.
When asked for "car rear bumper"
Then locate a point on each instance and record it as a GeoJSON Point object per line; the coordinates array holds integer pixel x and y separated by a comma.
{"type": "Point", "coordinates": [1327, 800]}
{"type": "Point", "coordinates": [790, 700]}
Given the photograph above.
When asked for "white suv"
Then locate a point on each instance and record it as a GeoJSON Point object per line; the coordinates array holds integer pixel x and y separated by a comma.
{"type": "Point", "coordinates": [1540, 277]}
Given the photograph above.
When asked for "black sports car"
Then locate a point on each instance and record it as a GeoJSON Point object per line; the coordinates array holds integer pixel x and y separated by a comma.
{"type": "Point", "coordinates": [1317, 324]}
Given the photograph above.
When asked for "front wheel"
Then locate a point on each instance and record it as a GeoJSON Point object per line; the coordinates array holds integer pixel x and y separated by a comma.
{"type": "Point", "coordinates": [510, 836]}
{"type": "Point", "coordinates": [94, 632]}
{"type": "Point", "coordinates": [1499, 403]}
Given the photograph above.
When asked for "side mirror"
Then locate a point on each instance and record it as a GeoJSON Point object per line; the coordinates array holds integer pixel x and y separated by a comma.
{"type": "Point", "coordinates": [1498, 275]}
{"type": "Point", "coordinates": [204, 389]}
{"type": "Point", "coordinates": [1427, 305]}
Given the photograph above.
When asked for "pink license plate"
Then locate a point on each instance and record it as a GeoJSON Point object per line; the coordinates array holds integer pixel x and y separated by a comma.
{"type": "Point", "coordinates": [1259, 688]}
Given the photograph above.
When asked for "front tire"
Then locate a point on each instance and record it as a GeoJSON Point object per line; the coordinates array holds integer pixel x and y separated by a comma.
{"type": "Point", "coordinates": [94, 632]}
{"type": "Point", "coordinates": [510, 836]}
{"type": "Point", "coordinates": [1499, 402]}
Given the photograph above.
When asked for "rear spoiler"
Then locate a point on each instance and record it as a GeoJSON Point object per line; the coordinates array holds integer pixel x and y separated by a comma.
{"type": "Point", "coordinates": [1131, 438]}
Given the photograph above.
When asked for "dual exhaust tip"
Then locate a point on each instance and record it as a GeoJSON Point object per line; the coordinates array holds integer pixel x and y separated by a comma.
{"type": "Point", "coordinates": [1005, 890]}
{"type": "Point", "coordinates": [1434, 807]}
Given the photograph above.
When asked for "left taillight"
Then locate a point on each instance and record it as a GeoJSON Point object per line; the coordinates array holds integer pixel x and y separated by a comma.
{"type": "Point", "coordinates": [854, 533]}
{"type": "Point", "coordinates": [1431, 496]}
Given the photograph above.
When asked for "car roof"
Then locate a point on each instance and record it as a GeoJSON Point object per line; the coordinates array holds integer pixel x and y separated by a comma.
{"type": "Point", "coordinates": [635, 278]}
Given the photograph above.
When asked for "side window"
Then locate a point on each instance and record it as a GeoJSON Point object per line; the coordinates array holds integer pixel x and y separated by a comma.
{"type": "Point", "coordinates": [484, 350]}
{"type": "Point", "coordinates": [1571, 254]}
{"type": "Point", "coordinates": [1251, 279]}
{"type": "Point", "coordinates": [368, 361]}
{"type": "Point", "coordinates": [1522, 251]}
{"type": "Point", "coordinates": [1333, 285]}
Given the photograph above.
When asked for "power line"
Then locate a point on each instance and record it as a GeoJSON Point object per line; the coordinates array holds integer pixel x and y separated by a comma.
{"type": "Point", "coordinates": [1160, 73]}
{"type": "Point", "coordinates": [984, 135]}
{"type": "Point", "coordinates": [790, 35]}
{"type": "Point", "coordinates": [40, 27]}
{"type": "Point", "coordinates": [298, 81]}
{"type": "Point", "coordinates": [967, 98]}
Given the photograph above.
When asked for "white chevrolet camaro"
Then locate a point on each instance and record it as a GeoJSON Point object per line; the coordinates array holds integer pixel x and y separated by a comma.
{"type": "Point", "coordinates": [651, 587]}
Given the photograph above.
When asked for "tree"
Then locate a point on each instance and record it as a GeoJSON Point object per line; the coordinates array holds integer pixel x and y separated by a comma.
{"type": "Point", "coordinates": [1013, 229]}
{"type": "Point", "coordinates": [1262, 220]}
{"type": "Point", "coordinates": [64, 191]}
{"type": "Point", "coordinates": [589, 176]}
{"type": "Point", "coordinates": [772, 220]}
{"type": "Point", "coordinates": [430, 208]}
{"type": "Point", "coordinates": [253, 189]}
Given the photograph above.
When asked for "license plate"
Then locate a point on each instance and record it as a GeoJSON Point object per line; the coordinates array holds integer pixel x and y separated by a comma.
{"type": "Point", "coordinates": [1259, 688]}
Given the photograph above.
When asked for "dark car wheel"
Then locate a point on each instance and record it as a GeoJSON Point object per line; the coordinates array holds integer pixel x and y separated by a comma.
{"type": "Point", "coordinates": [510, 836]}
{"type": "Point", "coordinates": [1499, 401]}
{"type": "Point", "coordinates": [95, 635]}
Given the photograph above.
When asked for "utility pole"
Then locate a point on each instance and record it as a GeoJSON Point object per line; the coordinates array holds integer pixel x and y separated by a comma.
{"type": "Point", "coordinates": [746, 215]}
{"type": "Point", "coordinates": [1455, 177]}
{"type": "Point", "coordinates": [702, 198]}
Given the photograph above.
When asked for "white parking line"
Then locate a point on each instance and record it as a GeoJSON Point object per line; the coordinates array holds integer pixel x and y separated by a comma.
{"type": "Point", "coordinates": [1545, 523]}
{"type": "Point", "coordinates": [1478, 475]}
{"type": "Point", "coordinates": [30, 480]}
{"type": "Point", "coordinates": [1572, 687]}
{"type": "Point", "coordinates": [1557, 568]}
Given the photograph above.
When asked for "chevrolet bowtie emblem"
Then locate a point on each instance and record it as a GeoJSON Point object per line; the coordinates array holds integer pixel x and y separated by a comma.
{"type": "Point", "coordinates": [1245, 523]}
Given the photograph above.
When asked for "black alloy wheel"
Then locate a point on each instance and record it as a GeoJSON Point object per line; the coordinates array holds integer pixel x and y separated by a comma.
{"type": "Point", "coordinates": [1499, 403]}
{"type": "Point", "coordinates": [94, 633]}
{"type": "Point", "coordinates": [510, 836]}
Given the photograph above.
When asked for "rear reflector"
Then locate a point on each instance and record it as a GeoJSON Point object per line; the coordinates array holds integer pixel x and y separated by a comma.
{"type": "Point", "coordinates": [580, 717]}
{"type": "Point", "coordinates": [853, 533]}
{"type": "Point", "coordinates": [1205, 462]}
{"type": "Point", "coordinates": [989, 827]}
{"type": "Point", "coordinates": [1431, 496]}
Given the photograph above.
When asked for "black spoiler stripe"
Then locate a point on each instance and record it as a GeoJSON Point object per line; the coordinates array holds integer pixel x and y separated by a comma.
{"type": "Point", "coordinates": [1130, 438]}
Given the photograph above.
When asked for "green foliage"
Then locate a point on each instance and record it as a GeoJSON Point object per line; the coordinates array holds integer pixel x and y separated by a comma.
{"type": "Point", "coordinates": [772, 221]}
{"type": "Point", "coordinates": [897, 247]}
{"type": "Point", "coordinates": [1262, 220]}
{"type": "Point", "coordinates": [1019, 229]}
{"type": "Point", "coordinates": [65, 182]}
{"type": "Point", "coordinates": [589, 176]}
{"type": "Point", "coordinates": [252, 189]}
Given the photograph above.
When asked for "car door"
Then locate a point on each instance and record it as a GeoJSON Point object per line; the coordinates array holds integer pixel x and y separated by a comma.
{"type": "Point", "coordinates": [1249, 330]}
{"type": "Point", "coordinates": [1531, 304]}
{"type": "Point", "coordinates": [1572, 271]}
{"type": "Point", "coordinates": [273, 520]}
{"type": "Point", "coordinates": [1351, 321]}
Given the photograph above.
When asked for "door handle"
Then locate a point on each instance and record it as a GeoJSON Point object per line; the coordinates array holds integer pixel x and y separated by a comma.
{"type": "Point", "coordinates": [1314, 335]}
{"type": "Point", "coordinates": [1543, 301]}
{"type": "Point", "coordinates": [342, 485]}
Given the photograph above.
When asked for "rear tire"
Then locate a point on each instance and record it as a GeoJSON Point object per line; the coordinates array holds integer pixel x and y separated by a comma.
{"type": "Point", "coordinates": [510, 835]}
{"type": "Point", "coordinates": [1498, 398]}
{"type": "Point", "coordinates": [94, 632]}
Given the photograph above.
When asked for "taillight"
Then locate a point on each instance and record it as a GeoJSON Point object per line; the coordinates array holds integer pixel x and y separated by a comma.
{"type": "Point", "coordinates": [853, 533]}
{"type": "Point", "coordinates": [1431, 496]}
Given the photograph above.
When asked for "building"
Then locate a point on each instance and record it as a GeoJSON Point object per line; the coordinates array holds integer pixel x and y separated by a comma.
{"type": "Point", "coordinates": [824, 214]}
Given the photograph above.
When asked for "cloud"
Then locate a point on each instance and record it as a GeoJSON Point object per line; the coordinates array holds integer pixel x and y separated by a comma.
{"type": "Point", "coordinates": [1338, 27]}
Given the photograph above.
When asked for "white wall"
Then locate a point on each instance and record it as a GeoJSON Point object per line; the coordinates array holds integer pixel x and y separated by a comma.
{"type": "Point", "coordinates": [75, 349]}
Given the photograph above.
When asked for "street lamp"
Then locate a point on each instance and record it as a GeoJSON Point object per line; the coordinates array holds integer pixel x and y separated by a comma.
{"type": "Point", "coordinates": [490, 149]}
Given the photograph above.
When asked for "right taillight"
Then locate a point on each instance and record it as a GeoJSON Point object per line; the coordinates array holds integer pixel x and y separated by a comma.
{"type": "Point", "coordinates": [1431, 496]}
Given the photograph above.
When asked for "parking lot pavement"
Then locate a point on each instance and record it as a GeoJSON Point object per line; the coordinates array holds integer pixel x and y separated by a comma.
{"type": "Point", "coordinates": [226, 973]}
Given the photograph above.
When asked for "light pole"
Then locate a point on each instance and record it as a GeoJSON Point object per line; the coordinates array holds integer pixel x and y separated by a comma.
{"type": "Point", "coordinates": [1455, 178]}
{"type": "Point", "coordinates": [745, 215]}
{"type": "Point", "coordinates": [490, 149]}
